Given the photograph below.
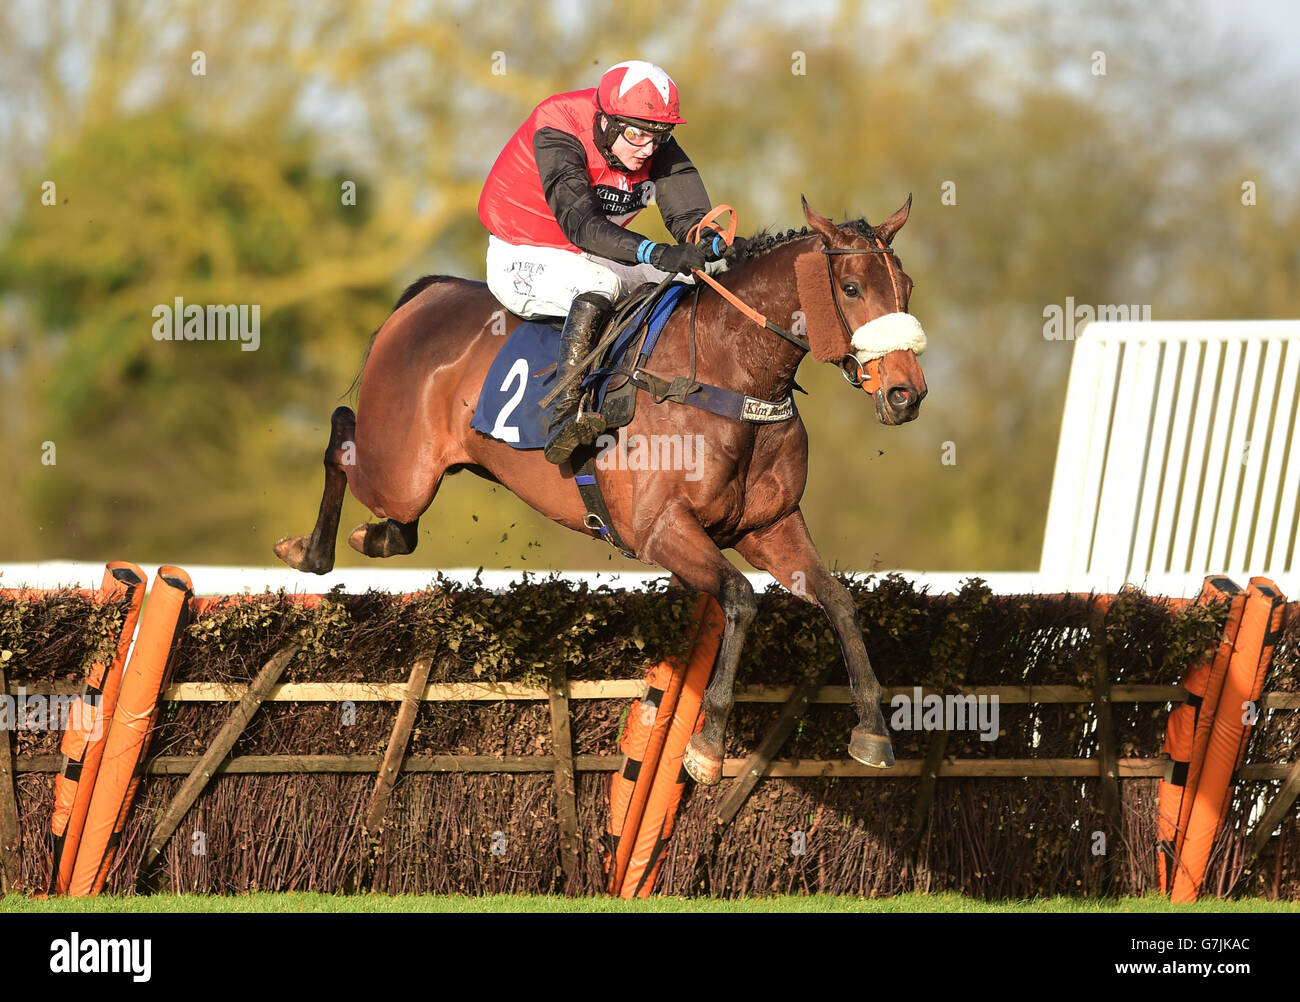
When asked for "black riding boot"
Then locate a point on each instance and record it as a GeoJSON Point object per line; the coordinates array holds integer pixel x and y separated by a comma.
{"type": "Point", "coordinates": [568, 431]}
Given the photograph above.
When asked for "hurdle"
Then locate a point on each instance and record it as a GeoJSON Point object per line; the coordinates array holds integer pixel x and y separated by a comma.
{"type": "Point", "coordinates": [87, 733]}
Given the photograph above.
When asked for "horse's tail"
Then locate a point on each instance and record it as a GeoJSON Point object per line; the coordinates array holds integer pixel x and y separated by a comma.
{"type": "Point", "coordinates": [411, 291]}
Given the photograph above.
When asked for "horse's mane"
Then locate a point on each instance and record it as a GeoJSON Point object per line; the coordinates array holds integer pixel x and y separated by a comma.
{"type": "Point", "coordinates": [764, 240]}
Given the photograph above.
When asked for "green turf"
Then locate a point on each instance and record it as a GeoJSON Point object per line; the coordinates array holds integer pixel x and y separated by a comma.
{"type": "Point", "coordinates": [905, 903]}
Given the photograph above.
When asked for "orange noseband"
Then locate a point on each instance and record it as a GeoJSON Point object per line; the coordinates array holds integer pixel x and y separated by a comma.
{"type": "Point", "coordinates": [866, 376]}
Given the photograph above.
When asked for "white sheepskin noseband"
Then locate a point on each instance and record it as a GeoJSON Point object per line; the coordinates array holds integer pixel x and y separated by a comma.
{"type": "Point", "coordinates": [892, 332]}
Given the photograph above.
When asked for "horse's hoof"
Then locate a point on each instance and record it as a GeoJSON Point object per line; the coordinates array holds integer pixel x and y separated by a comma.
{"type": "Point", "coordinates": [289, 550]}
{"type": "Point", "coordinates": [357, 538]}
{"type": "Point", "coordinates": [293, 551]}
{"type": "Point", "coordinates": [874, 750]}
{"type": "Point", "coordinates": [704, 769]}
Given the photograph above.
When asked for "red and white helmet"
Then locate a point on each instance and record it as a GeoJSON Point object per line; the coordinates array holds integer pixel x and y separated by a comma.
{"type": "Point", "coordinates": [639, 90]}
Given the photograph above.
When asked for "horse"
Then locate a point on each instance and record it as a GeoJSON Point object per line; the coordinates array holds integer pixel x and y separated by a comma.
{"type": "Point", "coordinates": [421, 379]}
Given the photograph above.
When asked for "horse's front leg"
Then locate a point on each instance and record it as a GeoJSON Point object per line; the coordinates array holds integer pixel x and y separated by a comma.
{"type": "Point", "coordinates": [677, 543]}
{"type": "Point", "coordinates": [786, 551]}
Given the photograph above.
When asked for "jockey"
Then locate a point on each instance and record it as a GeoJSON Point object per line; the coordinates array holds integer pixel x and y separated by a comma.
{"type": "Point", "coordinates": [557, 200]}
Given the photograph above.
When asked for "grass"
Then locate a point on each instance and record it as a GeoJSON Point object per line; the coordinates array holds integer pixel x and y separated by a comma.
{"type": "Point", "coordinates": [264, 901]}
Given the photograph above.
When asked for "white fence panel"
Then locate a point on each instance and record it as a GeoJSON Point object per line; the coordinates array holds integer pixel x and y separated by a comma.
{"type": "Point", "coordinates": [1178, 456]}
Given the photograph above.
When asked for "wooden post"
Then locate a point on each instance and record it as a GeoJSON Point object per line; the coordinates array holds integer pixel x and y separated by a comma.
{"type": "Point", "coordinates": [757, 763]}
{"type": "Point", "coordinates": [217, 752]}
{"type": "Point", "coordinates": [397, 743]}
{"type": "Point", "coordinates": [1105, 724]}
{"type": "Point", "coordinates": [11, 861]}
{"type": "Point", "coordinates": [930, 769]}
{"type": "Point", "coordinates": [566, 799]}
{"type": "Point", "coordinates": [1277, 810]}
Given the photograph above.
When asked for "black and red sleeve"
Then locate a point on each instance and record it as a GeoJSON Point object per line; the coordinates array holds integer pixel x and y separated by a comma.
{"type": "Point", "coordinates": [679, 189]}
{"type": "Point", "coordinates": [562, 164]}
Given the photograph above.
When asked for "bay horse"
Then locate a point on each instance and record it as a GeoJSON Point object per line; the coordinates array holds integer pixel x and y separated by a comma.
{"type": "Point", "coordinates": [421, 379]}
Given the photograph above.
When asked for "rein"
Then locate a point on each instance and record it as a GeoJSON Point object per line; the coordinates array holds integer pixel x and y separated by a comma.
{"type": "Point", "coordinates": [868, 376]}
{"type": "Point", "coordinates": [729, 235]}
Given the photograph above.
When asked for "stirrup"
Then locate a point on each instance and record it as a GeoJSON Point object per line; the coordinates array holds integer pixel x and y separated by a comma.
{"type": "Point", "coordinates": [591, 422]}
{"type": "Point", "coordinates": [576, 432]}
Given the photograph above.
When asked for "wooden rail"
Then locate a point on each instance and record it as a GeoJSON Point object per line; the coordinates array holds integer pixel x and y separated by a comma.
{"type": "Point", "coordinates": [932, 767]}
{"type": "Point", "coordinates": [970, 768]}
{"type": "Point", "coordinates": [627, 688]}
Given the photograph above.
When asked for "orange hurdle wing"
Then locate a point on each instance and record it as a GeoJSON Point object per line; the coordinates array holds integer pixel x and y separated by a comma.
{"type": "Point", "coordinates": [669, 781]}
{"type": "Point", "coordinates": [630, 786]}
{"type": "Point", "coordinates": [147, 674]}
{"type": "Point", "coordinates": [1225, 744]}
{"type": "Point", "coordinates": [84, 740]}
{"type": "Point", "coordinates": [1188, 731]}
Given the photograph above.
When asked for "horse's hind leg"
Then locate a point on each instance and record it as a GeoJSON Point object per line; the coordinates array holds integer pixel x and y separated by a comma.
{"type": "Point", "coordinates": [389, 538]}
{"type": "Point", "coordinates": [314, 554]}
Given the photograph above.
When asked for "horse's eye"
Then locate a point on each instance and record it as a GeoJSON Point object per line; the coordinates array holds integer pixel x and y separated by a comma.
{"type": "Point", "coordinates": [850, 288]}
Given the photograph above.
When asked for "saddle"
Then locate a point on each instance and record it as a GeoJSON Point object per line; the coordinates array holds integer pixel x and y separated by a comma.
{"type": "Point", "coordinates": [511, 404]}
{"type": "Point", "coordinates": [610, 386]}
{"type": "Point", "coordinates": [516, 404]}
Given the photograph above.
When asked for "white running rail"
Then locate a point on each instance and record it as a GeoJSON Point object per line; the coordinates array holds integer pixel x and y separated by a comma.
{"type": "Point", "coordinates": [226, 580]}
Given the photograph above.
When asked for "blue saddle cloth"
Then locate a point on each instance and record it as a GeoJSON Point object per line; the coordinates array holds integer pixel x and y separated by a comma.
{"type": "Point", "coordinates": [509, 405]}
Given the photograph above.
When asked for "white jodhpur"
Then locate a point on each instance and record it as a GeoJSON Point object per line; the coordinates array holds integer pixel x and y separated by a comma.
{"type": "Point", "coordinates": [543, 281]}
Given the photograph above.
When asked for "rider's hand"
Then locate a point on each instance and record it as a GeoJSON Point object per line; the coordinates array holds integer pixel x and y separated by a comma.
{"type": "Point", "coordinates": [738, 249]}
{"type": "Point", "coordinates": [679, 259]}
{"type": "Point", "coordinates": [714, 244]}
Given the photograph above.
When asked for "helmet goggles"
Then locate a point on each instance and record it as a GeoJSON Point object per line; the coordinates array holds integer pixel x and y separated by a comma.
{"type": "Point", "coordinates": [639, 133]}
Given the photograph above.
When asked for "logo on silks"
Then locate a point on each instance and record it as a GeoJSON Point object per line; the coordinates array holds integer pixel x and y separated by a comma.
{"type": "Point", "coordinates": [620, 201]}
{"type": "Point", "coordinates": [765, 410]}
{"type": "Point", "coordinates": [523, 272]}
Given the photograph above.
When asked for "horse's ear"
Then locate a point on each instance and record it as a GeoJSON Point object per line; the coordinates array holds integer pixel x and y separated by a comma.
{"type": "Point", "coordinates": [830, 233]}
{"type": "Point", "coordinates": [894, 223]}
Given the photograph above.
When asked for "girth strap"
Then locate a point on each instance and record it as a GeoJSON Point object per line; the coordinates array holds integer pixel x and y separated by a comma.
{"type": "Point", "coordinates": [682, 390]}
{"type": "Point", "coordinates": [597, 518]}
{"type": "Point", "coordinates": [715, 399]}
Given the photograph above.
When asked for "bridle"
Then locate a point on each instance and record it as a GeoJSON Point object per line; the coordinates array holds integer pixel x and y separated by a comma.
{"type": "Point", "coordinates": [867, 377]}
